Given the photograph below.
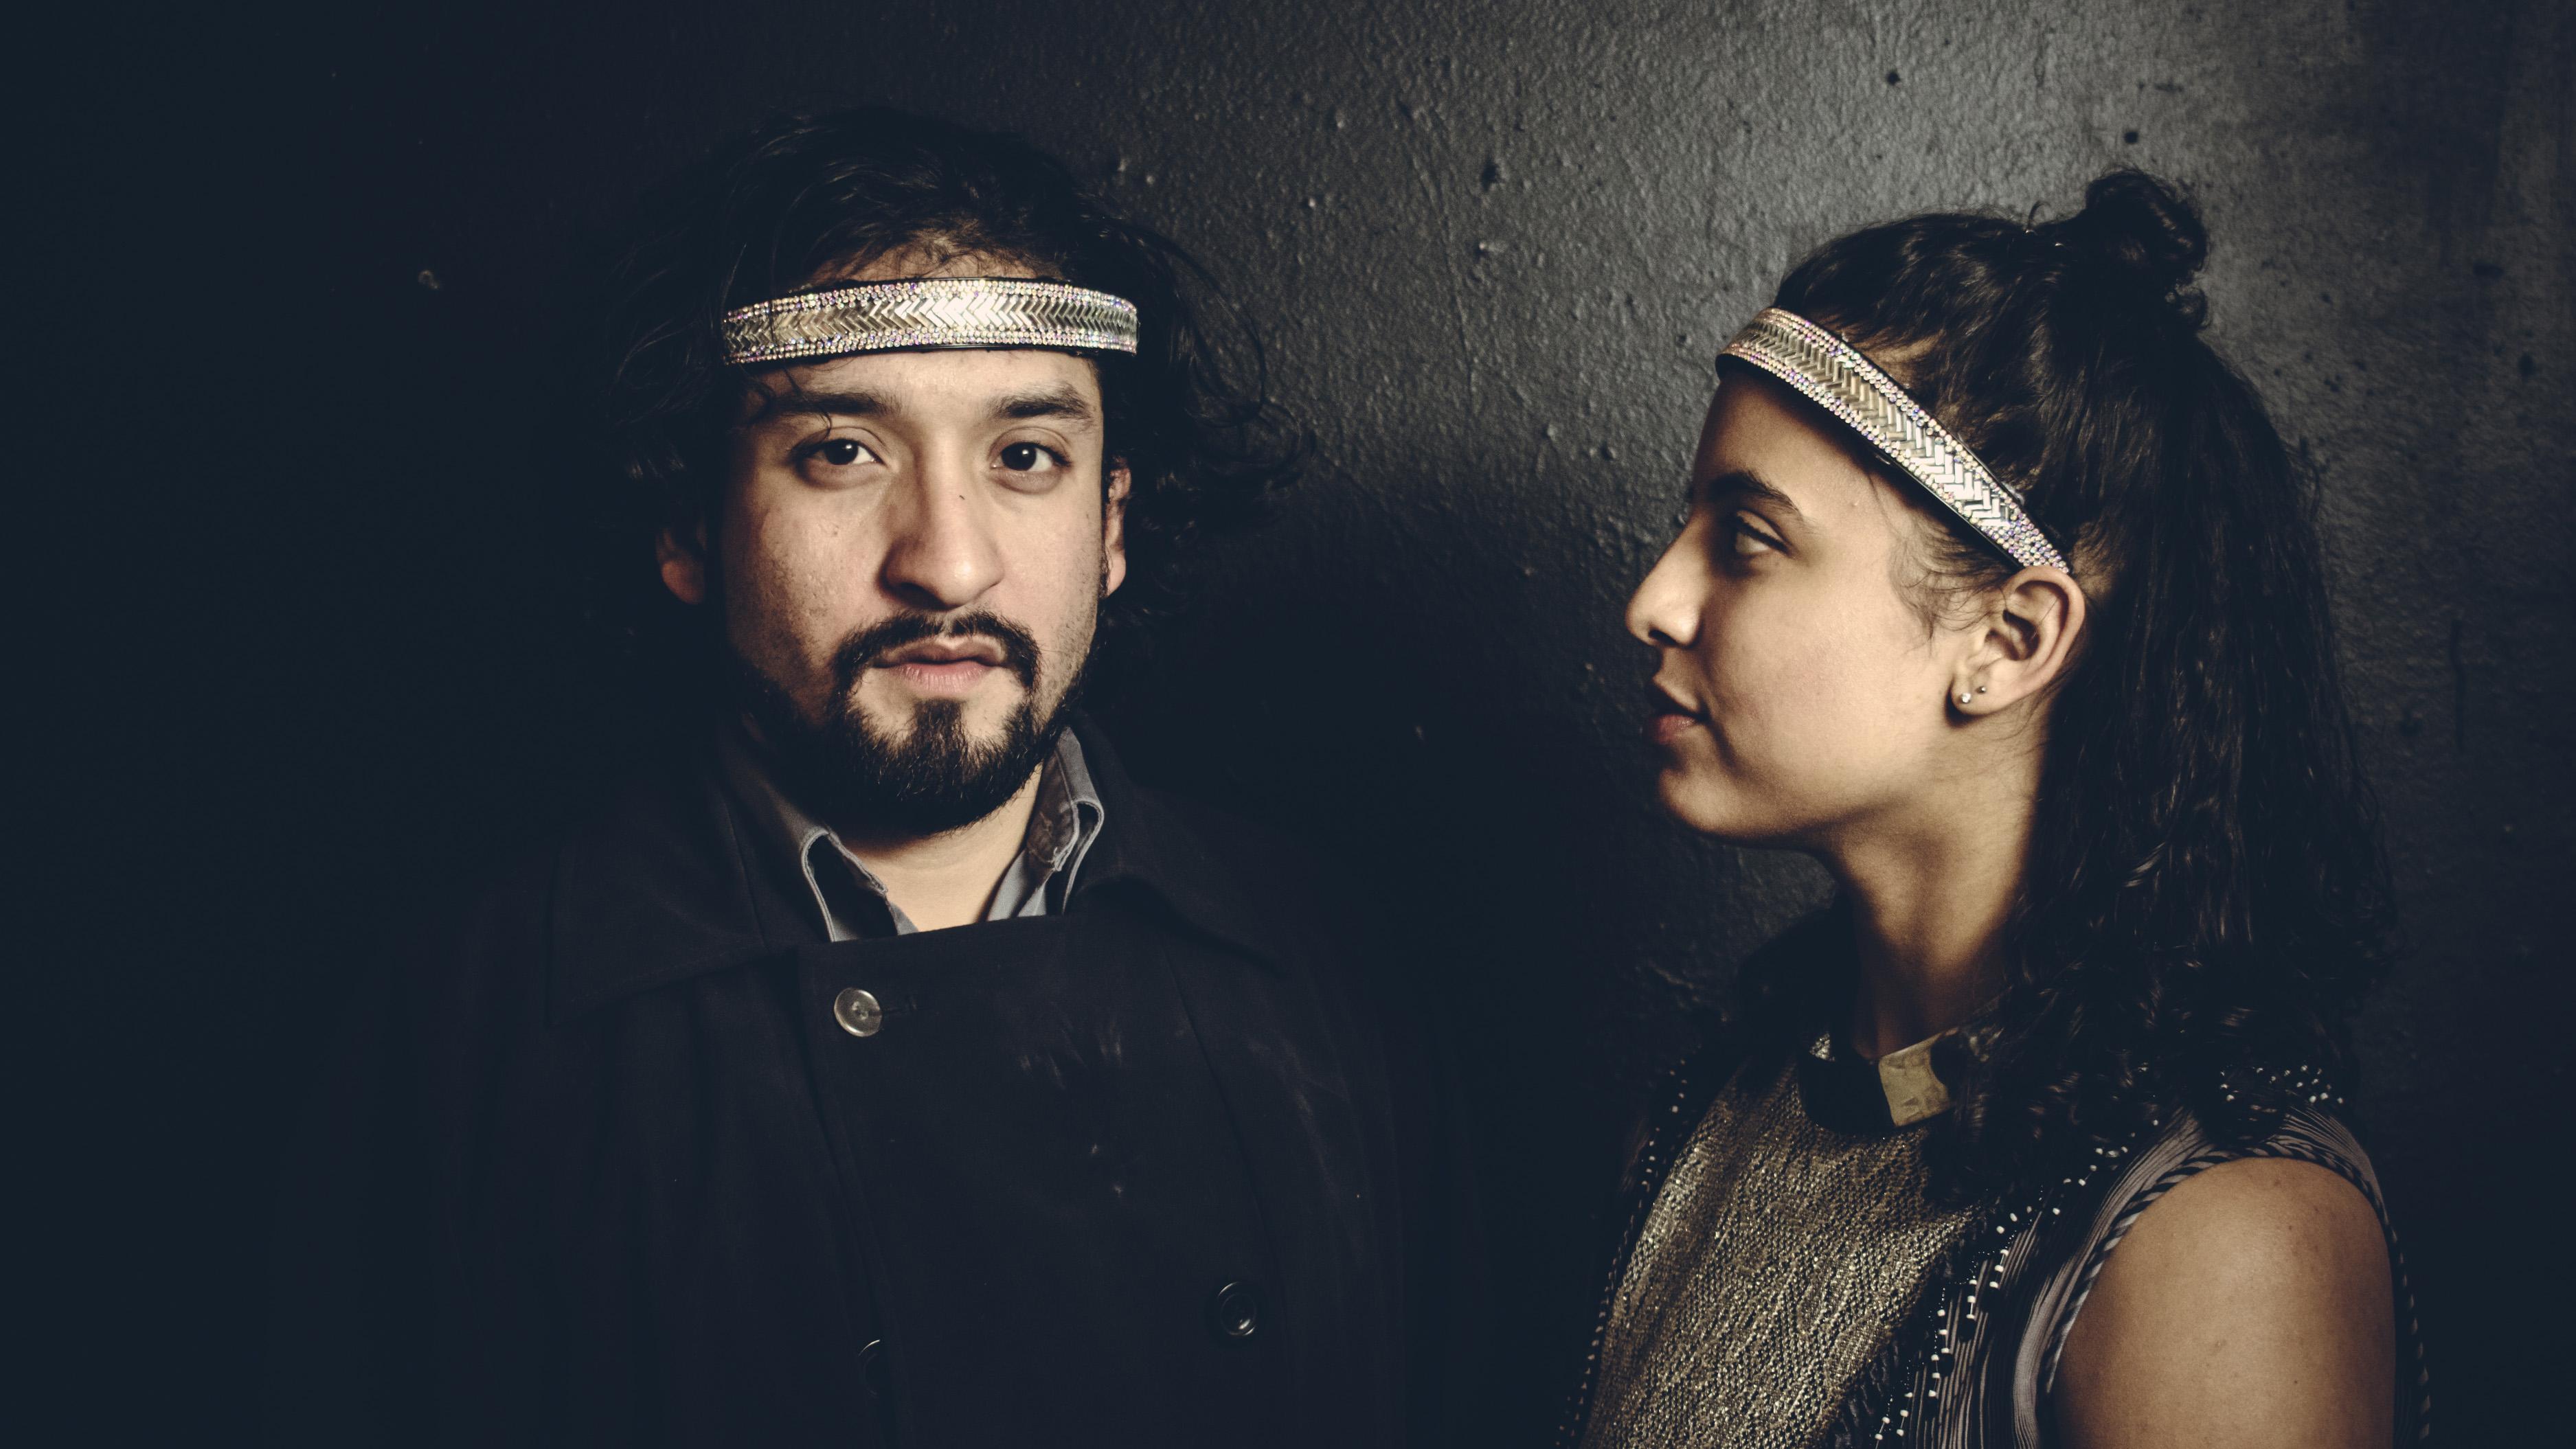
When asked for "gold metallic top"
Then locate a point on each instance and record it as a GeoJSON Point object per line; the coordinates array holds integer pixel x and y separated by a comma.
{"type": "Point", "coordinates": [938, 312]}
{"type": "Point", "coordinates": [1775, 1265]}
{"type": "Point", "coordinates": [1833, 375]}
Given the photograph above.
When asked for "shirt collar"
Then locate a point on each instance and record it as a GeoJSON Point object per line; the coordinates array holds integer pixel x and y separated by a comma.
{"type": "Point", "coordinates": [1068, 815]}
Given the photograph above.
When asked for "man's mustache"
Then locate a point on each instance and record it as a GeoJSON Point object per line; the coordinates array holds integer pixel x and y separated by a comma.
{"type": "Point", "coordinates": [864, 648]}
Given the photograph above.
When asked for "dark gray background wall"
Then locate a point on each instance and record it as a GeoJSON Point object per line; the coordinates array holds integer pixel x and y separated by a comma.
{"type": "Point", "coordinates": [302, 522]}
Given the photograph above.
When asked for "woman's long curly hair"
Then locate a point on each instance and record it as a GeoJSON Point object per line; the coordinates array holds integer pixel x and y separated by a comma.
{"type": "Point", "coordinates": [2205, 898]}
{"type": "Point", "coordinates": [803, 198]}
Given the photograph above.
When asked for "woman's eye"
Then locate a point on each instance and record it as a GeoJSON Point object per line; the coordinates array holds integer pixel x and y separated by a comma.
{"type": "Point", "coordinates": [1744, 542]}
{"type": "Point", "coordinates": [842, 452]}
{"type": "Point", "coordinates": [1029, 457]}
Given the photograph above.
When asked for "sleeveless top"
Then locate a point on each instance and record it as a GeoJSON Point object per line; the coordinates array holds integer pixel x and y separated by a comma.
{"type": "Point", "coordinates": [1784, 1283]}
{"type": "Point", "coordinates": [1780, 1259]}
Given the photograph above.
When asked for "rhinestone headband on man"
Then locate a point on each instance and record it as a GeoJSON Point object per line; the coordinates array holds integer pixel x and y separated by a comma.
{"type": "Point", "coordinates": [930, 312]}
{"type": "Point", "coordinates": [1834, 376]}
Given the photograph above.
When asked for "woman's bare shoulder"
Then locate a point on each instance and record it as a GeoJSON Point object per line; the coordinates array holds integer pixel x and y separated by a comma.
{"type": "Point", "coordinates": [2251, 1304]}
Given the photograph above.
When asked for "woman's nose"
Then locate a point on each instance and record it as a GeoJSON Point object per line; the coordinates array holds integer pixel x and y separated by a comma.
{"type": "Point", "coordinates": [1664, 612]}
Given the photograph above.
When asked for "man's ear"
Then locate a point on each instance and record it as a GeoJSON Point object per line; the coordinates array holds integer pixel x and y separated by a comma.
{"type": "Point", "coordinates": [2027, 642]}
{"type": "Point", "coordinates": [683, 557]}
{"type": "Point", "coordinates": [1113, 530]}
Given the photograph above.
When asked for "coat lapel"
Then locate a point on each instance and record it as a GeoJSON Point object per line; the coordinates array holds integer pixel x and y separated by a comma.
{"type": "Point", "coordinates": [1147, 844]}
{"type": "Point", "coordinates": [667, 885]}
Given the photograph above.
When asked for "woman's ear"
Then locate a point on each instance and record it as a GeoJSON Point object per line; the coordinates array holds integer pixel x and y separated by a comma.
{"type": "Point", "coordinates": [2027, 644]}
{"type": "Point", "coordinates": [683, 558]}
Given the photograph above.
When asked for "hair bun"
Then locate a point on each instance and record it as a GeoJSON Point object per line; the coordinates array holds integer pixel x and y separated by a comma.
{"type": "Point", "coordinates": [2144, 227]}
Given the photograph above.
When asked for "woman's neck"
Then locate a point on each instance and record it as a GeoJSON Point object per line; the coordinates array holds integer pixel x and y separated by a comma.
{"type": "Point", "coordinates": [1929, 906]}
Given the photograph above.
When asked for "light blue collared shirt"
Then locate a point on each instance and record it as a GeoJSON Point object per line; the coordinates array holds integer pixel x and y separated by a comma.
{"type": "Point", "coordinates": [1062, 828]}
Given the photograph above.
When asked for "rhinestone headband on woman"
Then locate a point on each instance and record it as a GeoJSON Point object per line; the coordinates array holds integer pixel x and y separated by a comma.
{"type": "Point", "coordinates": [930, 312]}
{"type": "Point", "coordinates": [1834, 376]}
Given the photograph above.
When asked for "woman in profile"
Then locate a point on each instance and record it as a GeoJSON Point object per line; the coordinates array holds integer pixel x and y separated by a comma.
{"type": "Point", "coordinates": [1998, 595]}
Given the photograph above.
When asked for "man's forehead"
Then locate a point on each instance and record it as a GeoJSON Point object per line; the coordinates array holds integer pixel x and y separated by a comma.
{"type": "Point", "coordinates": [972, 383]}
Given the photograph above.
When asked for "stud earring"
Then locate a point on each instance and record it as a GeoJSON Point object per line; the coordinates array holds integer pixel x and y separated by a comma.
{"type": "Point", "coordinates": [1963, 699]}
{"type": "Point", "coordinates": [1981, 689]}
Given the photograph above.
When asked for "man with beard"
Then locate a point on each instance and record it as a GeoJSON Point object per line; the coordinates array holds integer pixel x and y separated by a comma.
{"type": "Point", "coordinates": [892, 1069]}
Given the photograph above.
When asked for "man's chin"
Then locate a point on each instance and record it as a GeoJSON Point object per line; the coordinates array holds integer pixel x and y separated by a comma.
{"type": "Point", "coordinates": [977, 724]}
{"type": "Point", "coordinates": [885, 759]}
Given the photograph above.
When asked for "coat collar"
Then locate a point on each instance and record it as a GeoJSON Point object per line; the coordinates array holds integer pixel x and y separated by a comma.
{"type": "Point", "coordinates": [675, 881]}
{"type": "Point", "coordinates": [1146, 846]}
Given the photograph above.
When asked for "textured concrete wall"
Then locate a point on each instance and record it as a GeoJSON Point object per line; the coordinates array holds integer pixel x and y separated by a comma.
{"type": "Point", "coordinates": [1494, 248]}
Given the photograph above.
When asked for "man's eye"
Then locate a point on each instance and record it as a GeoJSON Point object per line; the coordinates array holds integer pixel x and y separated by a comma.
{"type": "Point", "coordinates": [842, 452]}
{"type": "Point", "coordinates": [1029, 457]}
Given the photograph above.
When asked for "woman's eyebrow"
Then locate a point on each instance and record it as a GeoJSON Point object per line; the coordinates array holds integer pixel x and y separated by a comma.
{"type": "Point", "coordinates": [1744, 483]}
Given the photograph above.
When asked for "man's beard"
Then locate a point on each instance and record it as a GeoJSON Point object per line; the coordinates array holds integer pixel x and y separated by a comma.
{"type": "Point", "coordinates": [935, 779]}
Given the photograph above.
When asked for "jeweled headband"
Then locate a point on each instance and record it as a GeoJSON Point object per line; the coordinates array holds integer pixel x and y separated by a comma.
{"type": "Point", "coordinates": [1834, 376]}
{"type": "Point", "coordinates": [930, 312]}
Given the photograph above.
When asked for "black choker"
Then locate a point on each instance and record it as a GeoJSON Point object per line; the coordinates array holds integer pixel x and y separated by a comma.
{"type": "Point", "coordinates": [1848, 1093]}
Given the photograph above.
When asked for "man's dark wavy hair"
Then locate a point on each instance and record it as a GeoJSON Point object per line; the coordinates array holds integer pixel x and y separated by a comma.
{"type": "Point", "coordinates": [806, 196]}
{"type": "Point", "coordinates": [2205, 898]}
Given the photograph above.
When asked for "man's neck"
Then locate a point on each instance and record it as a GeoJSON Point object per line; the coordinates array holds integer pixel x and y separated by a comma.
{"type": "Point", "coordinates": [949, 879]}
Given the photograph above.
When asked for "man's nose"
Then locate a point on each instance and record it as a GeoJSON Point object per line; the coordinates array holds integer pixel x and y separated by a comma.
{"type": "Point", "coordinates": [943, 554]}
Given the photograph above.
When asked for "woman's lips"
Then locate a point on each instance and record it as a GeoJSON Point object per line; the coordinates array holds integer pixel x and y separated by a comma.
{"type": "Point", "coordinates": [1667, 717]}
{"type": "Point", "coordinates": [1668, 724]}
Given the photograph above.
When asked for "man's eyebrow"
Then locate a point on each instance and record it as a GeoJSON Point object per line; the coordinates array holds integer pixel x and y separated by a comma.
{"type": "Point", "coordinates": [1055, 402]}
{"type": "Point", "coordinates": [820, 404]}
{"type": "Point", "coordinates": [1744, 482]}
{"type": "Point", "coordinates": [1059, 402]}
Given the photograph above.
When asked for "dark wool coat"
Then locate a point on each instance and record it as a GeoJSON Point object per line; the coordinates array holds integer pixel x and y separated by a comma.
{"type": "Point", "coordinates": [599, 1165]}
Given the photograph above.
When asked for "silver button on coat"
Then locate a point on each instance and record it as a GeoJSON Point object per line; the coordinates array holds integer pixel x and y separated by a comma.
{"type": "Point", "coordinates": [858, 1012]}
